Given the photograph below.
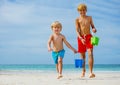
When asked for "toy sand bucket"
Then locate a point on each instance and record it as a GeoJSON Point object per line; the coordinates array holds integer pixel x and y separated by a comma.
{"type": "Point", "coordinates": [94, 40]}
{"type": "Point", "coordinates": [79, 63]}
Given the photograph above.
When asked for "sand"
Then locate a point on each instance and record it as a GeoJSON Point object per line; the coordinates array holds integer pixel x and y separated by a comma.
{"type": "Point", "coordinates": [50, 78]}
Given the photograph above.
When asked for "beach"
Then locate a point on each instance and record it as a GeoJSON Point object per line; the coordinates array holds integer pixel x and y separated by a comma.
{"type": "Point", "coordinates": [43, 74]}
{"type": "Point", "coordinates": [50, 78]}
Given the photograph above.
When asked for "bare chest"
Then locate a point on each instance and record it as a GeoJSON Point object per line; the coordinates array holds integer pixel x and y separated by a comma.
{"type": "Point", "coordinates": [84, 22]}
{"type": "Point", "coordinates": [57, 39]}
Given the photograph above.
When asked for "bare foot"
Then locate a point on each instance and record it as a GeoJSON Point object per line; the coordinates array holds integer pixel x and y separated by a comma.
{"type": "Point", "coordinates": [83, 74]}
{"type": "Point", "coordinates": [60, 76]}
{"type": "Point", "coordinates": [92, 75]}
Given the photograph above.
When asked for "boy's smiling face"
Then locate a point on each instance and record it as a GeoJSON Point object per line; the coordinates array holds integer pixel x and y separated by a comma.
{"type": "Point", "coordinates": [56, 29]}
{"type": "Point", "coordinates": [82, 12]}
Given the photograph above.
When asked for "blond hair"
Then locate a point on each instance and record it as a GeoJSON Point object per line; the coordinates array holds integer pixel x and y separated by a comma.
{"type": "Point", "coordinates": [56, 23]}
{"type": "Point", "coordinates": [82, 7]}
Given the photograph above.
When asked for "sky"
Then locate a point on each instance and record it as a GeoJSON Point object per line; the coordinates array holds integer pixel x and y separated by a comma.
{"type": "Point", "coordinates": [25, 29]}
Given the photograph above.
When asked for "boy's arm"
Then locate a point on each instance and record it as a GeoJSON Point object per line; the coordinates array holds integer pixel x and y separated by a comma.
{"type": "Point", "coordinates": [78, 28]}
{"type": "Point", "coordinates": [92, 25]}
{"type": "Point", "coordinates": [68, 45]}
{"type": "Point", "coordinates": [49, 43]}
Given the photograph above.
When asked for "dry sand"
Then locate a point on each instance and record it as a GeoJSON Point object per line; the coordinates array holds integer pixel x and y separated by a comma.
{"type": "Point", "coordinates": [50, 78]}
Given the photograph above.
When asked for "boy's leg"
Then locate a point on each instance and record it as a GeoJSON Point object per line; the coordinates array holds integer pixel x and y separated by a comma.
{"type": "Point", "coordinates": [91, 62]}
{"type": "Point", "coordinates": [83, 69]}
{"type": "Point", "coordinates": [55, 58]}
{"type": "Point", "coordinates": [57, 68]}
{"type": "Point", "coordinates": [82, 50]}
{"type": "Point", "coordinates": [60, 67]}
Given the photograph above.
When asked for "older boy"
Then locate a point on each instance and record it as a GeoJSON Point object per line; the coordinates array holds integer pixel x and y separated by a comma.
{"type": "Point", "coordinates": [83, 24]}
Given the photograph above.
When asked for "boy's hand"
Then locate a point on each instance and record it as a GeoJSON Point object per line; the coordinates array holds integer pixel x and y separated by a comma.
{"type": "Point", "coordinates": [75, 51]}
{"type": "Point", "coordinates": [94, 30]}
{"type": "Point", "coordinates": [50, 49]}
{"type": "Point", "coordinates": [83, 41]}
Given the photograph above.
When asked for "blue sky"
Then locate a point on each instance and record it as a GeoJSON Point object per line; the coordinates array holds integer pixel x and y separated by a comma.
{"type": "Point", "coordinates": [25, 29]}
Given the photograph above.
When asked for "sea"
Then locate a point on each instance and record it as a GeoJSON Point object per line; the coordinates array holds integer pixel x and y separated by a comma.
{"type": "Point", "coordinates": [31, 68]}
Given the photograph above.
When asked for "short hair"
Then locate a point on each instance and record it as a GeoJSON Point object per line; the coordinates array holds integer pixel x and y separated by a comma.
{"type": "Point", "coordinates": [56, 23]}
{"type": "Point", "coordinates": [82, 7]}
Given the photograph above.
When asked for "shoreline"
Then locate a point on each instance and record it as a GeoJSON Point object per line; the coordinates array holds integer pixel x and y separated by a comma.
{"type": "Point", "coordinates": [77, 71]}
{"type": "Point", "coordinates": [50, 78]}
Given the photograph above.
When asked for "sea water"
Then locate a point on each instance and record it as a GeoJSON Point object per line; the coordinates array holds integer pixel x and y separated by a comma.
{"type": "Point", "coordinates": [51, 68]}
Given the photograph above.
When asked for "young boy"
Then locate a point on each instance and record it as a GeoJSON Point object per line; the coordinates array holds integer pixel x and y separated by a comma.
{"type": "Point", "coordinates": [83, 24]}
{"type": "Point", "coordinates": [57, 40]}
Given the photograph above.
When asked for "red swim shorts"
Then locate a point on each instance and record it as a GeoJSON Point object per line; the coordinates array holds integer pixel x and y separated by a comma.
{"type": "Point", "coordinates": [82, 47]}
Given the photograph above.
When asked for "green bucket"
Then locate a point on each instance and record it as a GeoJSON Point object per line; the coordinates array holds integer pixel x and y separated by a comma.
{"type": "Point", "coordinates": [94, 40]}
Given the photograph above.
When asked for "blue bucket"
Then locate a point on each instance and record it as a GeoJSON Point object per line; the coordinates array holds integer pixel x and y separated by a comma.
{"type": "Point", "coordinates": [79, 63]}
